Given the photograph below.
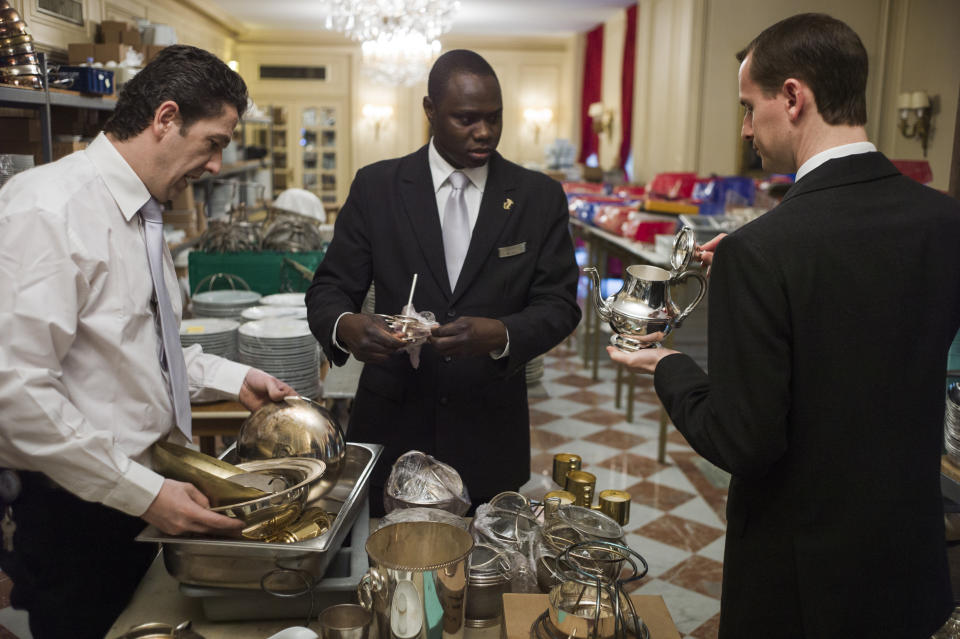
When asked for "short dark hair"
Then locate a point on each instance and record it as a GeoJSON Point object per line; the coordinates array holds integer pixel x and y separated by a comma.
{"type": "Point", "coordinates": [455, 61]}
{"type": "Point", "coordinates": [824, 53]}
{"type": "Point", "coordinates": [199, 82]}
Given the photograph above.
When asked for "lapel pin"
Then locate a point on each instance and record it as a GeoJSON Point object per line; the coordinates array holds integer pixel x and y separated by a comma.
{"type": "Point", "coordinates": [507, 204]}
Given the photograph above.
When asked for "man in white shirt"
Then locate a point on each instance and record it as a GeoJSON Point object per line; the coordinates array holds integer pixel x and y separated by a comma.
{"type": "Point", "coordinates": [829, 324]}
{"type": "Point", "coordinates": [84, 382]}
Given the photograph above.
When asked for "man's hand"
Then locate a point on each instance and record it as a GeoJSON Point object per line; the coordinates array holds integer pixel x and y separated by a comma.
{"type": "Point", "coordinates": [643, 361]}
{"type": "Point", "coordinates": [260, 388]}
{"type": "Point", "coordinates": [470, 336]}
{"type": "Point", "coordinates": [705, 253]}
{"type": "Point", "coordinates": [367, 337]}
{"type": "Point", "coordinates": [181, 508]}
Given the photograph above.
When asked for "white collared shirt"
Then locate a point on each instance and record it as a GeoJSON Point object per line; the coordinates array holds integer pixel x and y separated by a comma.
{"type": "Point", "coordinates": [82, 393]}
{"type": "Point", "coordinates": [843, 150]}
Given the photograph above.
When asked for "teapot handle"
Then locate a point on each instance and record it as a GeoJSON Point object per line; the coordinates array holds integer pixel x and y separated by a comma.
{"type": "Point", "coordinates": [681, 315]}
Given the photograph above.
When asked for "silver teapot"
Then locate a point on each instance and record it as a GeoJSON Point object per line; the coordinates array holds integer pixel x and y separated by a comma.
{"type": "Point", "coordinates": [644, 305]}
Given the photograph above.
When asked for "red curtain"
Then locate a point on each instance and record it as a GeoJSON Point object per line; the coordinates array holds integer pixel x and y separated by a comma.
{"type": "Point", "coordinates": [626, 84]}
{"type": "Point", "coordinates": [592, 85]}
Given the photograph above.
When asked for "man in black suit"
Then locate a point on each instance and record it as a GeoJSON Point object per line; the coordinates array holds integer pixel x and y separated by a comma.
{"type": "Point", "coordinates": [489, 241]}
{"type": "Point", "coordinates": [829, 325]}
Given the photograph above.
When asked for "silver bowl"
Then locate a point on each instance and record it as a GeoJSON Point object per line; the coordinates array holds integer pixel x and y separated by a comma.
{"type": "Point", "coordinates": [295, 427]}
{"type": "Point", "coordinates": [295, 476]}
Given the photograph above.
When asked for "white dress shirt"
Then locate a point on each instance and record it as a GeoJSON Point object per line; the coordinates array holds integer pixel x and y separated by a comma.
{"type": "Point", "coordinates": [440, 171]}
{"type": "Point", "coordinates": [833, 153]}
{"type": "Point", "coordinates": [82, 393]}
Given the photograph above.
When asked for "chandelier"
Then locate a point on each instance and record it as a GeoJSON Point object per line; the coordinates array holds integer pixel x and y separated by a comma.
{"type": "Point", "coordinates": [399, 36]}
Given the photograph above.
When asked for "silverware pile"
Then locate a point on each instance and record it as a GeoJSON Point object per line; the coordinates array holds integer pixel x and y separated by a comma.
{"type": "Point", "coordinates": [19, 65]}
{"type": "Point", "coordinates": [951, 423]}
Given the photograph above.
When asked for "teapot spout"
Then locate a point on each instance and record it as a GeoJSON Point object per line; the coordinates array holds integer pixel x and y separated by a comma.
{"type": "Point", "coordinates": [603, 309]}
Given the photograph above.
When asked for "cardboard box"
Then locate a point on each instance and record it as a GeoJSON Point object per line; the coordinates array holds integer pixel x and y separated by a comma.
{"type": "Point", "coordinates": [113, 51]}
{"type": "Point", "coordinates": [150, 51]}
{"type": "Point", "coordinates": [110, 30]}
{"type": "Point", "coordinates": [130, 36]}
{"type": "Point", "coordinates": [63, 149]}
{"type": "Point", "coordinates": [20, 130]}
{"type": "Point", "coordinates": [183, 200]}
{"type": "Point", "coordinates": [80, 52]}
{"type": "Point", "coordinates": [185, 221]}
{"type": "Point", "coordinates": [521, 610]}
{"type": "Point", "coordinates": [24, 148]}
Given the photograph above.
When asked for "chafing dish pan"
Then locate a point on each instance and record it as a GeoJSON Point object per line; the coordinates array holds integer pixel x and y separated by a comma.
{"type": "Point", "coordinates": [281, 568]}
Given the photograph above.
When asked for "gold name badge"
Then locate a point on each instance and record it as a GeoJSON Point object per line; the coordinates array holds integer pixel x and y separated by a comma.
{"type": "Point", "coordinates": [508, 251]}
{"type": "Point", "coordinates": [507, 204]}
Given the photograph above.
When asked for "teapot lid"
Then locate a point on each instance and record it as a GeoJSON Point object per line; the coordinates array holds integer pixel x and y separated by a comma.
{"type": "Point", "coordinates": [683, 246]}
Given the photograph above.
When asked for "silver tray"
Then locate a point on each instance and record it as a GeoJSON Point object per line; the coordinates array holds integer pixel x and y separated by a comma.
{"type": "Point", "coordinates": [279, 568]}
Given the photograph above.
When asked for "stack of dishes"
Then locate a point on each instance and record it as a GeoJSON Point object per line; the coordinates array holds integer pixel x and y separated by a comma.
{"type": "Point", "coordinates": [216, 336]}
{"type": "Point", "coordinates": [286, 349]}
{"type": "Point", "coordinates": [285, 299]}
{"type": "Point", "coordinates": [11, 164]}
{"type": "Point", "coordinates": [951, 423]}
{"type": "Point", "coordinates": [270, 312]}
{"type": "Point", "coordinates": [227, 304]}
{"type": "Point", "coordinates": [19, 64]}
{"type": "Point", "coordinates": [535, 369]}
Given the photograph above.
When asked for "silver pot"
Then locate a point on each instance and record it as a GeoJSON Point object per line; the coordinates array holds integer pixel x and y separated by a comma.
{"type": "Point", "coordinates": [489, 579]}
{"type": "Point", "coordinates": [417, 569]}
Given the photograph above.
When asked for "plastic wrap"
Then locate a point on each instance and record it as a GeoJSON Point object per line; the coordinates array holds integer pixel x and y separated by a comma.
{"type": "Point", "coordinates": [419, 480]}
{"type": "Point", "coordinates": [514, 531]}
{"type": "Point", "coordinates": [423, 514]}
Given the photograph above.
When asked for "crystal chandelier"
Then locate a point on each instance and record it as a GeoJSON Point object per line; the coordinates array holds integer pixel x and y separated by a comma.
{"type": "Point", "coordinates": [399, 36]}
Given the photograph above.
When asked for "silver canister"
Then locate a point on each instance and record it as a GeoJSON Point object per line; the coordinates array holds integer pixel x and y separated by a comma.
{"type": "Point", "coordinates": [489, 579]}
{"type": "Point", "coordinates": [417, 581]}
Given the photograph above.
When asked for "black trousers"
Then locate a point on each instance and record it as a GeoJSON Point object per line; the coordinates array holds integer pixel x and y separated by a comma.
{"type": "Point", "coordinates": [74, 564]}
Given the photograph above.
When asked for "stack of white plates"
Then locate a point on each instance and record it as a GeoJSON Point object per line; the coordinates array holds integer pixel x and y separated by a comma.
{"type": "Point", "coordinates": [535, 369]}
{"type": "Point", "coordinates": [229, 304]}
{"type": "Point", "coordinates": [285, 299]}
{"type": "Point", "coordinates": [286, 349]}
{"type": "Point", "coordinates": [269, 312]}
{"type": "Point", "coordinates": [216, 336]}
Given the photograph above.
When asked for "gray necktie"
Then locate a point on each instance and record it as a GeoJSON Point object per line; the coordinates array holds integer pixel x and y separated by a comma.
{"type": "Point", "coordinates": [456, 227]}
{"type": "Point", "coordinates": [171, 353]}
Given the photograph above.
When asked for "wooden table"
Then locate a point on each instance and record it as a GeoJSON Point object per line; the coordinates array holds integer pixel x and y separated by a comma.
{"type": "Point", "coordinates": [218, 418]}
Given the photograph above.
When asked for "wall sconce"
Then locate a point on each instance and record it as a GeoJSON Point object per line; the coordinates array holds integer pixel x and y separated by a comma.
{"type": "Point", "coordinates": [537, 118]}
{"type": "Point", "coordinates": [602, 119]}
{"type": "Point", "coordinates": [917, 104]}
{"type": "Point", "coordinates": [378, 115]}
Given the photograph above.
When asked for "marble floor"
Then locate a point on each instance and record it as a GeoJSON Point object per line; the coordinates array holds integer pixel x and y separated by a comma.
{"type": "Point", "coordinates": [677, 512]}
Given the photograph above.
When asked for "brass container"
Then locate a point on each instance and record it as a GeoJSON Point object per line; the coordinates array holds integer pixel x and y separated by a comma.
{"type": "Point", "coordinates": [615, 504]}
{"type": "Point", "coordinates": [565, 496]}
{"type": "Point", "coordinates": [563, 463]}
{"type": "Point", "coordinates": [582, 484]}
{"type": "Point", "coordinates": [312, 523]}
{"type": "Point", "coordinates": [208, 474]}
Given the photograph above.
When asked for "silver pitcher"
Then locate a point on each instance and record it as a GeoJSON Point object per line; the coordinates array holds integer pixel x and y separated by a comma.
{"type": "Point", "coordinates": [644, 305]}
{"type": "Point", "coordinates": [417, 581]}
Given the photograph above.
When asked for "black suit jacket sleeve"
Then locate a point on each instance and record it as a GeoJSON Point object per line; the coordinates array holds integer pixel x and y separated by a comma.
{"type": "Point", "coordinates": [739, 421]}
{"type": "Point", "coordinates": [552, 312]}
{"type": "Point", "coordinates": [343, 277]}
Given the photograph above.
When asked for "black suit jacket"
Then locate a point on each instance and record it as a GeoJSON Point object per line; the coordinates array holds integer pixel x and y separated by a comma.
{"type": "Point", "coordinates": [468, 412]}
{"type": "Point", "coordinates": [829, 324]}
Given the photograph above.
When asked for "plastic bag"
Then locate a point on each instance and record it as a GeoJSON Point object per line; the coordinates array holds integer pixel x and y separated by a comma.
{"type": "Point", "coordinates": [417, 333]}
{"type": "Point", "coordinates": [514, 532]}
{"type": "Point", "coordinates": [423, 514]}
{"type": "Point", "coordinates": [419, 480]}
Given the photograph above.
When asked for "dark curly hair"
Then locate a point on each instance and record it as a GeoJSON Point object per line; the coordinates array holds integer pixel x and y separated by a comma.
{"type": "Point", "coordinates": [455, 61]}
{"type": "Point", "coordinates": [821, 51]}
{"type": "Point", "coordinates": [199, 82]}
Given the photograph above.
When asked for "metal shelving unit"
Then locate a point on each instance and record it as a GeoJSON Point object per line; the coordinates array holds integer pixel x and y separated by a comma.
{"type": "Point", "coordinates": [43, 100]}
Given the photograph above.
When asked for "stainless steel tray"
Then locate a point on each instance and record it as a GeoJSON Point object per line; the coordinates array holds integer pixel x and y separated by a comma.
{"type": "Point", "coordinates": [279, 568]}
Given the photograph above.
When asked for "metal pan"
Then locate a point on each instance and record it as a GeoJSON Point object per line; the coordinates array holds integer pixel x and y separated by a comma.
{"type": "Point", "coordinates": [22, 81]}
{"type": "Point", "coordinates": [14, 40]}
{"type": "Point", "coordinates": [13, 29]}
{"type": "Point", "coordinates": [255, 565]}
{"type": "Point", "coordinates": [20, 60]}
{"type": "Point", "coordinates": [18, 49]}
{"type": "Point", "coordinates": [20, 69]}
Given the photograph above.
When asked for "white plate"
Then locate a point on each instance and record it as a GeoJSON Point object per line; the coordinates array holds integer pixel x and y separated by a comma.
{"type": "Point", "coordinates": [285, 299]}
{"type": "Point", "coordinates": [278, 328]}
{"type": "Point", "coordinates": [227, 298]}
{"type": "Point", "coordinates": [267, 312]}
{"type": "Point", "coordinates": [207, 326]}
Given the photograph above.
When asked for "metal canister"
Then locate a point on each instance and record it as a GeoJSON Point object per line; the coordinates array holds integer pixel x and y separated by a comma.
{"type": "Point", "coordinates": [581, 484]}
{"type": "Point", "coordinates": [563, 463]}
{"type": "Point", "coordinates": [615, 504]}
{"type": "Point", "coordinates": [489, 579]}
{"type": "Point", "coordinates": [312, 523]}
